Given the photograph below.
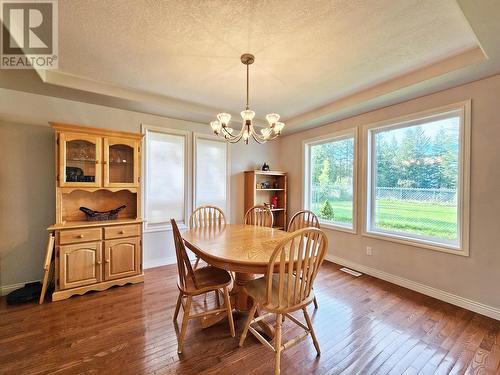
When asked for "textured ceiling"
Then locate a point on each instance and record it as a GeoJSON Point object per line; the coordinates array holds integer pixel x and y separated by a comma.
{"type": "Point", "coordinates": [308, 53]}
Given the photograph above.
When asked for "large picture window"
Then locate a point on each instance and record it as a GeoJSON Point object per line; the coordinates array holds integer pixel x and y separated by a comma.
{"type": "Point", "coordinates": [418, 179]}
{"type": "Point", "coordinates": [330, 179]}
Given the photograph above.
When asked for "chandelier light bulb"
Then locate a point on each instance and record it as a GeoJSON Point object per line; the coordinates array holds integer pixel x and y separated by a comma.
{"type": "Point", "coordinates": [272, 118]}
{"type": "Point", "coordinates": [266, 132]}
{"type": "Point", "coordinates": [279, 127]}
{"type": "Point", "coordinates": [247, 115]}
{"type": "Point", "coordinates": [224, 118]}
{"type": "Point", "coordinates": [215, 125]}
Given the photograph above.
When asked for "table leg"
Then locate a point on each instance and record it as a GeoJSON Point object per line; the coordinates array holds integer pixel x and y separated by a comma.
{"type": "Point", "coordinates": [240, 300]}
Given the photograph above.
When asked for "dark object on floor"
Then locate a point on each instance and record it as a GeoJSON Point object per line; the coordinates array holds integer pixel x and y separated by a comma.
{"type": "Point", "coordinates": [265, 167]}
{"type": "Point", "coordinates": [101, 215]}
{"type": "Point", "coordinates": [29, 292]}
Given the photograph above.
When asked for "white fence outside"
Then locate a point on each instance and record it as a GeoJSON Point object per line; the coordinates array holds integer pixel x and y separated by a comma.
{"type": "Point", "coordinates": [441, 196]}
{"type": "Point", "coordinates": [344, 192]}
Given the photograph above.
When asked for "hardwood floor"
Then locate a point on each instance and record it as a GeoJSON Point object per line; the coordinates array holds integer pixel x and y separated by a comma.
{"type": "Point", "coordinates": [364, 325]}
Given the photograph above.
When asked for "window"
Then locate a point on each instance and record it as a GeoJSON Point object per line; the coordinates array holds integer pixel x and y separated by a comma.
{"type": "Point", "coordinates": [417, 180]}
{"type": "Point", "coordinates": [330, 179]}
{"type": "Point", "coordinates": [211, 172]}
{"type": "Point", "coordinates": [166, 184]}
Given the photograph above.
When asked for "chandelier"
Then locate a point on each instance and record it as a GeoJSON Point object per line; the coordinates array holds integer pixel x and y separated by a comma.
{"type": "Point", "coordinates": [221, 126]}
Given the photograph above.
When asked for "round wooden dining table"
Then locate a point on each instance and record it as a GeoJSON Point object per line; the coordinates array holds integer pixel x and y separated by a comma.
{"type": "Point", "coordinates": [242, 249]}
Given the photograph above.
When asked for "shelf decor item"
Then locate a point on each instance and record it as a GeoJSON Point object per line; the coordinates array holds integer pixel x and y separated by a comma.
{"type": "Point", "coordinates": [274, 201]}
{"type": "Point", "coordinates": [265, 167]}
{"type": "Point", "coordinates": [265, 185]}
{"type": "Point", "coordinates": [221, 125]}
{"type": "Point", "coordinates": [92, 215]}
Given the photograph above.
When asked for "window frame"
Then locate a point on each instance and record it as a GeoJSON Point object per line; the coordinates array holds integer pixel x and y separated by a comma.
{"type": "Point", "coordinates": [166, 226]}
{"type": "Point", "coordinates": [211, 137]}
{"type": "Point", "coordinates": [463, 109]}
{"type": "Point", "coordinates": [351, 132]}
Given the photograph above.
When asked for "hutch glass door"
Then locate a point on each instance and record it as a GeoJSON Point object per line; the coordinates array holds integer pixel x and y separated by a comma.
{"type": "Point", "coordinates": [121, 162]}
{"type": "Point", "coordinates": [80, 160]}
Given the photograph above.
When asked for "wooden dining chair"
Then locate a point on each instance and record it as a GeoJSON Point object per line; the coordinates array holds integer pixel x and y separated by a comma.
{"type": "Point", "coordinates": [259, 215]}
{"type": "Point", "coordinates": [289, 289]}
{"type": "Point", "coordinates": [304, 219]}
{"type": "Point", "coordinates": [206, 216]}
{"type": "Point", "coordinates": [195, 282]}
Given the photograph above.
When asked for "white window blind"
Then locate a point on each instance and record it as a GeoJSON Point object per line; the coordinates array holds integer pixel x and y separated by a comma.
{"type": "Point", "coordinates": [211, 173]}
{"type": "Point", "coordinates": [166, 177]}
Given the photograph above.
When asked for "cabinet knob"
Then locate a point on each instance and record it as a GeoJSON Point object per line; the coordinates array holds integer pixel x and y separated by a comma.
{"type": "Point", "coordinates": [107, 260]}
{"type": "Point", "coordinates": [98, 262]}
{"type": "Point", "coordinates": [122, 232]}
{"type": "Point", "coordinates": [80, 236]}
{"type": "Point", "coordinates": [97, 162]}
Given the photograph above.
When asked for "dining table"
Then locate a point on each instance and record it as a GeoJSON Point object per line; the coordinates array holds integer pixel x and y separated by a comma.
{"type": "Point", "coordinates": [239, 248]}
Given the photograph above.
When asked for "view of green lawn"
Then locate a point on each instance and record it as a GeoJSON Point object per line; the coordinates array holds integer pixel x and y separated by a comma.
{"type": "Point", "coordinates": [428, 219]}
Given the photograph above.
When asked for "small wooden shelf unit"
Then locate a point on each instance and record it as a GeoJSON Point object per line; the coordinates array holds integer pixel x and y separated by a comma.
{"type": "Point", "coordinates": [101, 170]}
{"type": "Point", "coordinates": [255, 194]}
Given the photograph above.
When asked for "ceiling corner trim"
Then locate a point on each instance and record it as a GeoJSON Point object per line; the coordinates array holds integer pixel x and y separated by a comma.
{"type": "Point", "coordinates": [108, 89]}
{"type": "Point", "coordinates": [461, 60]}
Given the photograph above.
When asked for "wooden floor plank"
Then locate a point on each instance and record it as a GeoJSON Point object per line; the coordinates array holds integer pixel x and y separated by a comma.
{"type": "Point", "coordinates": [364, 326]}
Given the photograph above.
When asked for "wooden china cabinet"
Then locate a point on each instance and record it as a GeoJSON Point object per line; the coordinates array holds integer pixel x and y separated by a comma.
{"type": "Point", "coordinates": [100, 170]}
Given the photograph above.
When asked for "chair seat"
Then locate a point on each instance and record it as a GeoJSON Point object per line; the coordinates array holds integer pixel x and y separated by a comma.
{"type": "Point", "coordinates": [257, 290]}
{"type": "Point", "coordinates": [207, 278]}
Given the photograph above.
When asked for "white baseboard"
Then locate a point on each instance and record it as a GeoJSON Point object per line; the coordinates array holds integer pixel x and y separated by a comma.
{"type": "Point", "coordinates": [454, 299]}
{"type": "Point", "coordinates": [159, 262]}
{"type": "Point", "coordinates": [6, 289]}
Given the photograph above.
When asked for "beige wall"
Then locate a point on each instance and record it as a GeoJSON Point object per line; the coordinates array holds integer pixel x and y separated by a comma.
{"type": "Point", "coordinates": [27, 175]}
{"type": "Point", "coordinates": [476, 277]}
{"type": "Point", "coordinates": [27, 199]}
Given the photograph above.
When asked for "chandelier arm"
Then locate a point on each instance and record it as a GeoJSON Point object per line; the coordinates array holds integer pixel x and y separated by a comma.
{"type": "Point", "coordinates": [230, 137]}
{"type": "Point", "coordinates": [276, 135]}
{"type": "Point", "coordinates": [258, 139]}
{"type": "Point", "coordinates": [234, 140]}
{"type": "Point", "coordinates": [224, 130]}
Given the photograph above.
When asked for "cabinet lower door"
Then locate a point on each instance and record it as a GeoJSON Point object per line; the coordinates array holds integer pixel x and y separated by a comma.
{"type": "Point", "coordinates": [121, 258]}
{"type": "Point", "coordinates": [79, 265]}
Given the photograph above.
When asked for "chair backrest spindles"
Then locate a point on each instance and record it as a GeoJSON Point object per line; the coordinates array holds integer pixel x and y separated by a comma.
{"type": "Point", "coordinates": [259, 215]}
{"type": "Point", "coordinates": [184, 267]}
{"type": "Point", "coordinates": [207, 216]}
{"type": "Point", "coordinates": [303, 219]}
{"type": "Point", "coordinates": [296, 260]}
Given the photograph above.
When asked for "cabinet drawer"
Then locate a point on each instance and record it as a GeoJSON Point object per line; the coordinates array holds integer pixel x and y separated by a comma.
{"type": "Point", "coordinates": [121, 231]}
{"type": "Point", "coordinates": [80, 235]}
